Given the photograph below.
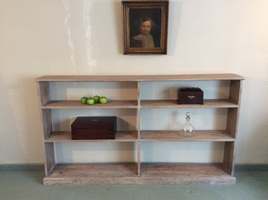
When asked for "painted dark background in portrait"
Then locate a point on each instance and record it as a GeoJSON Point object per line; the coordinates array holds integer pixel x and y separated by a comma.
{"type": "Point", "coordinates": [135, 16]}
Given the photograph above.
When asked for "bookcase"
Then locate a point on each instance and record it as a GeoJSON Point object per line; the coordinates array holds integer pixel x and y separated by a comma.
{"type": "Point", "coordinates": [139, 172]}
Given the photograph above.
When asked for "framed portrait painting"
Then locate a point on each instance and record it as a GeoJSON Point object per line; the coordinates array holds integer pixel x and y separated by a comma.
{"type": "Point", "coordinates": [145, 26]}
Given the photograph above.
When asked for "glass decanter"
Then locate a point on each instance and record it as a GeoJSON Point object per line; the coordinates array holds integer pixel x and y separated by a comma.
{"type": "Point", "coordinates": [188, 127]}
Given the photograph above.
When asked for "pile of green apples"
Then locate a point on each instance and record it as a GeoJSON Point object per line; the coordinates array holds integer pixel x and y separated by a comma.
{"type": "Point", "coordinates": [94, 100]}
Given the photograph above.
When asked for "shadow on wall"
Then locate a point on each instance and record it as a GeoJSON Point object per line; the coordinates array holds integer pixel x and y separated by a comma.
{"type": "Point", "coordinates": [9, 131]}
{"type": "Point", "coordinates": [118, 10]}
{"type": "Point", "coordinates": [175, 12]}
{"type": "Point", "coordinates": [253, 126]}
{"type": "Point", "coordinates": [20, 133]}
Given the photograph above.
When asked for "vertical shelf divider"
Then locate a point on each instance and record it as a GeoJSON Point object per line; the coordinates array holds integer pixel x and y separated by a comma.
{"type": "Point", "coordinates": [138, 145]}
{"type": "Point", "coordinates": [43, 90]}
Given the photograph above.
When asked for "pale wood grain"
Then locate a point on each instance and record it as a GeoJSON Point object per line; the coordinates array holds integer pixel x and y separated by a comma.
{"type": "Point", "coordinates": [232, 126]}
{"type": "Point", "coordinates": [44, 92]}
{"type": "Point", "coordinates": [197, 136]}
{"type": "Point", "coordinates": [139, 173]}
{"type": "Point", "coordinates": [234, 95]}
{"type": "Point", "coordinates": [138, 145]}
{"type": "Point", "coordinates": [121, 136]}
{"type": "Point", "coordinates": [152, 135]}
{"type": "Point", "coordinates": [228, 158]}
{"type": "Point", "coordinates": [95, 169]}
{"type": "Point", "coordinates": [50, 162]}
{"type": "Point", "coordinates": [138, 153]}
{"type": "Point", "coordinates": [126, 78]}
{"type": "Point", "coordinates": [212, 103]}
{"type": "Point", "coordinates": [47, 123]}
{"type": "Point", "coordinates": [124, 173]}
{"type": "Point", "coordinates": [70, 104]}
{"type": "Point", "coordinates": [187, 169]}
{"type": "Point", "coordinates": [49, 154]}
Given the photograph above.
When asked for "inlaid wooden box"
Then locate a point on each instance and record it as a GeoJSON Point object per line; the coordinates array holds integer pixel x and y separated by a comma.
{"type": "Point", "coordinates": [93, 128]}
{"type": "Point", "coordinates": [190, 95]}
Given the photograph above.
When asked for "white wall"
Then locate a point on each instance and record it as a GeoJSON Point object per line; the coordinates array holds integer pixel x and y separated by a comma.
{"type": "Point", "coordinates": [84, 37]}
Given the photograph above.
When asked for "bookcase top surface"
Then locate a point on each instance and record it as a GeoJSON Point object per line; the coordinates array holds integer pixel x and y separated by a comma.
{"type": "Point", "coordinates": [126, 78]}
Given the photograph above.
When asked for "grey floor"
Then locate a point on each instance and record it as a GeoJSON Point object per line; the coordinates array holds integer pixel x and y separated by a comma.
{"type": "Point", "coordinates": [22, 185]}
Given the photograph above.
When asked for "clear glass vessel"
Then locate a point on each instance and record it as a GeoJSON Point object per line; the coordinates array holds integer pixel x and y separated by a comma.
{"type": "Point", "coordinates": [188, 127]}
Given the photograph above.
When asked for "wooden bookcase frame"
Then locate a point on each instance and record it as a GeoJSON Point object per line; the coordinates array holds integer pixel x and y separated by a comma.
{"type": "Point", "coordinates": [138, 172]}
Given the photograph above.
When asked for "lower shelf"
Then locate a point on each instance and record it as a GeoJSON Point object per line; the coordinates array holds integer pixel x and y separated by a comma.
{"type": "Point", "coordinates": [121, 136]}
{"type": "Point", "coordinates": [125, 173]}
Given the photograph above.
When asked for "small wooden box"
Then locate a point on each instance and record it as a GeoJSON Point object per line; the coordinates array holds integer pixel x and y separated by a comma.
{"type": "Point", "coordinates": [93, 128]}
{"type": "Point", "coordinates": [190, 96]}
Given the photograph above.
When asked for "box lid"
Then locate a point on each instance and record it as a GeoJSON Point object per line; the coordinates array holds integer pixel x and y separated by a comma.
{"type": "Point", "coordinates": [95, 123]}
{"type": "Point", "coordinates": [190, 89]}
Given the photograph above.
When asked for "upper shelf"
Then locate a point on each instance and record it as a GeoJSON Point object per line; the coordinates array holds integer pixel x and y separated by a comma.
{"type": "Point", "coordinates": [107, 78]}
{"type": "Point", "coordinates": [131, 104]}
{"type": "Point", "coordinates": [76, 104]}
{"type": "Point", "coordinates": [212, 103]}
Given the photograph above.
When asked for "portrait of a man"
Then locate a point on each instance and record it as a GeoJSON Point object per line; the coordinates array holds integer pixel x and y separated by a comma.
{"type": "Point", "coordinates": [145, 27]}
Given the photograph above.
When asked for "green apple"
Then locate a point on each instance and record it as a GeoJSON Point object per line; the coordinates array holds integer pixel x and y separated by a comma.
{"type": "Point", "coordinates": [96, 98]}
{"type": "Point", "coordinates": [83, 100]}
{"type": "Point", "coordinates": [103, 100]}
{"type": "Point", "coordinates": [90, 101]}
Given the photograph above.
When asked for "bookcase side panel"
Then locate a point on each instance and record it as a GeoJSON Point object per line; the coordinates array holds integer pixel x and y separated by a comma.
{"type": "Point", "coordinates": [232, 126]}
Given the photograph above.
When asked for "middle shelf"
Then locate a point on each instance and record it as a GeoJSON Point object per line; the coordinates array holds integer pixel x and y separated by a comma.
{"type": "Point", "coordinates": [132, 104]}
{"type": "Point", "coordinates": [121, 136]}
{"type": "Point", "coordinates": [152, 135]}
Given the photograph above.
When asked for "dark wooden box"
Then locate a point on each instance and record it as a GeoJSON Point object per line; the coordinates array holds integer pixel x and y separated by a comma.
{"type": "Point", "coordinates": [93, 128]}
{"type": "Point", "coordinates": [190, 96]}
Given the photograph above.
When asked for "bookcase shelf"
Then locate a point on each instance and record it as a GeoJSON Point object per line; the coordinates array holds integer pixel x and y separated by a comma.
{"type": "Point", "coordinates": [125, 173]}
{"type": "Point", "coordinates": [121, 136]}
{"type": "Point", "coordinates": [212, 103]}
{"type": "Point", "coordinates": [106, 173]}
{"type": "Point", "coordinates": [178, 136]}
{"type": "Point", "coordinates": [152, 135]}
{"type": "Point", "coordinates": [139, 172]}
{"type": "Point", "coordinates": [115, 104]}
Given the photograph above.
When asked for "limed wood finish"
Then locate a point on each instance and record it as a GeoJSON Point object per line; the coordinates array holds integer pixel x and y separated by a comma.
{"type": "Point", "coordinates": [49, 154]}
{"type": "Point", "coordinates": [174, 173]}
{"type": "Point", "coordinates": [197, 136]}
{"type": "Point", "coordinates": [121, 136]}
{"type": "Point", "coordinates": [138, 127]}
{"type": "Point", "coordinates": [212, 103]}
{"type": "Point", "coordinates": [232, 126]}
{"type": "Point", "coordinates": [167, 135]}
{"type": "Point", "coordinates": [50, 162]}
{"type": "Point", "coordinates": [138, 172]}
{"type": "Point", "coordinates": [124, 173]}
{"type": "Point", "coordinates": [69, 104]}
{"type": "Point", "coordinates": [127, 78]}
{"type": "Point", "coordinates": [44, 92]}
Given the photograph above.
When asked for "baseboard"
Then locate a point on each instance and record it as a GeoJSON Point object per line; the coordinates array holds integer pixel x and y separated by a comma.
{"type": "Point", "coordinates": [40, 166]}
{"type": "Point", "coordinates": [21, 167]}
{"type": "Point", "coordinates": [251, 167]}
